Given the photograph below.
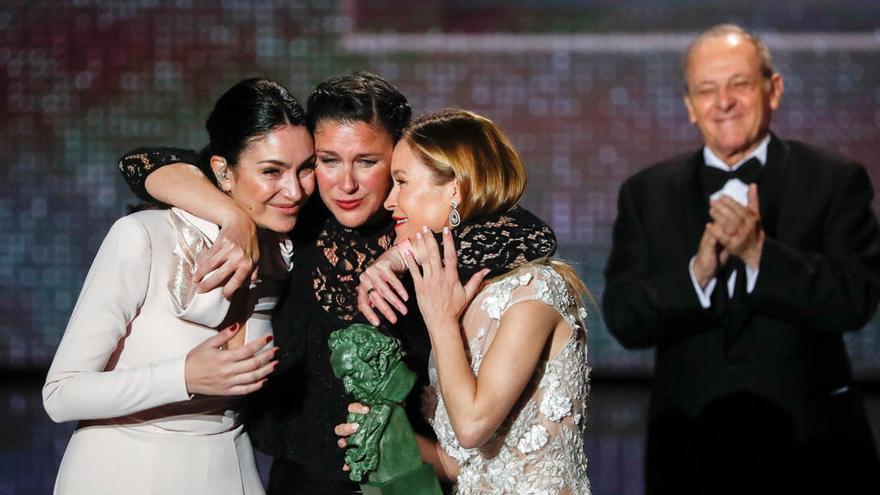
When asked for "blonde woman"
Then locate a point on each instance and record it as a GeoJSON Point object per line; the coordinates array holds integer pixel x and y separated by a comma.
{"type": "Point", "coordinates": [508, 370]}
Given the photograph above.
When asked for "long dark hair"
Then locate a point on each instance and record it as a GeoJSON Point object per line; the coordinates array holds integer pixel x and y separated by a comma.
{"type": "Point", "coordinates": [360, 97]}
{"type": "Point", "coordinates": [246, 112]}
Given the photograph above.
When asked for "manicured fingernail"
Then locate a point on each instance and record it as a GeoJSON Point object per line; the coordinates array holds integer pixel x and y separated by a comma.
{"type": "Point", "coordinates": [424, 228]}
{"type": "Point", "coordinates": [355, 427]}
{"type": "Point", "coordinates": [269, 338]}
{"type": "Point", "coordinates": [418, 235]}
{"type": "Point", "coordinates": [445, 230]}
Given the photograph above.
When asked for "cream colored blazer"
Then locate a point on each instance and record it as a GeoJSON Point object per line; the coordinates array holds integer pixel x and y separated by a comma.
{"type": "Point", "coordinates": [119, 369]}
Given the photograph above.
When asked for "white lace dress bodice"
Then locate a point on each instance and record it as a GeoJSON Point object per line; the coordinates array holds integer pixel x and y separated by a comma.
{"type": "Point", "coordinates": [538, 449]}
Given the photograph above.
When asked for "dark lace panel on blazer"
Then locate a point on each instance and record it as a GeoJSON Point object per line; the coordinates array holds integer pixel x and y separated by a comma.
{"type": "Point", "coordinates": [343, 254]}
{"type": "Point", "coordinates": [137, 164]}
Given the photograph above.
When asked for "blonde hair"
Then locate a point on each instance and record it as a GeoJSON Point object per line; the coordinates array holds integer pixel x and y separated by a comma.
{"type": "Point", "coordinates": [571, 277]}
{"type": "Point", "coordinates": [460, 145]}
{"type": "Point", "coordinates": [572, 280]}
{"type": "Point", "coordinates": [463, 146]}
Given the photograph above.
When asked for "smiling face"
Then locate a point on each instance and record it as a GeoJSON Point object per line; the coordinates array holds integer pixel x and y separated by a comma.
{"type": "Point", "coordinates": [415, 199]}
{"type": "Point", "coordinates": [273, 178]}
{"type": "Point", "coordinates": [729, 98]}
{"type": "Point", "coordinates": [352, 168]}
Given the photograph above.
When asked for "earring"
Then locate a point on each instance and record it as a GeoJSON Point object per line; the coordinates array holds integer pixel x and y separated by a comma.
{"type": "Point", "coordinates": [222, 175]}
{"type": "Point", "coordinates": [454, 216]}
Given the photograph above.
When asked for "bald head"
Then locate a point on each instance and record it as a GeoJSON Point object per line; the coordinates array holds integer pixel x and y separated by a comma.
{"type": "Point", "coordinates": [734, 34]}
{"type": "Point", "coordinates": [731, 91]}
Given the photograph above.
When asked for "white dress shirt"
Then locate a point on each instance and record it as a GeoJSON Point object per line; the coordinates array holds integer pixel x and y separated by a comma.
{"type": "Point", "coordinates": [705, 295]}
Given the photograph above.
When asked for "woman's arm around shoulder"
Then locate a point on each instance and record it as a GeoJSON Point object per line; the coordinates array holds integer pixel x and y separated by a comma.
{"type": "Point", "coordinates": [139, 164]}
{"type": "Point", "coordinates": [170, 176]}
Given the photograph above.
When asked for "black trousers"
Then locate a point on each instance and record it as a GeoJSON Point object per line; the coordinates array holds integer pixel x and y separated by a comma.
{"type": "Point", "coordinates": [743, 443]}
{"type": "Point", "coordinates": [288, 478]}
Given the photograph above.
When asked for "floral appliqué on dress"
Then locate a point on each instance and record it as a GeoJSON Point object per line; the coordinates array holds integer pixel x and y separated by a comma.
{"type": "Point", "coordinates": [538, 449]}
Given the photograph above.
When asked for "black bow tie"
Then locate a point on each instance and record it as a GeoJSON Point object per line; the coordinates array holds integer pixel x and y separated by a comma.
{"type": "Point", "coordinates": [715, 178]}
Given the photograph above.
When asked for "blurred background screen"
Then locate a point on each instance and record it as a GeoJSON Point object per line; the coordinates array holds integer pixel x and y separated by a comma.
{"type": "Point", "coordinates": [590, 92]}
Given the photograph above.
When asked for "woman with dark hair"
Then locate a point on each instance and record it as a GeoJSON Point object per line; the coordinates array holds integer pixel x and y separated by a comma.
{"type": "Point", "coordinates": [142, 365]}
{"type": "Point", "coordinates": [356, 120]}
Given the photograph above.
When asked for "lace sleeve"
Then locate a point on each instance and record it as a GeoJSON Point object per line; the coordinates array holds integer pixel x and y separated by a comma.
{"type": "Point", "coordinates": [137, 164]}
{"type": "Point", "coordinates": [503, 242]}
{"type": "Point", "coordinates": [342, 255]}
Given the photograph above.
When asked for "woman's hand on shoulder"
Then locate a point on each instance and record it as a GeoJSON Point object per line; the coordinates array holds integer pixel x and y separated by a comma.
{"type": "Point", "coordinates": [211, 370]}
{"type": "Point", "coordinates": [232, 259]}
{"type": "Point", "coordinates": [441, 296]}
{"type": "Point", "coordinates": [380, 288]}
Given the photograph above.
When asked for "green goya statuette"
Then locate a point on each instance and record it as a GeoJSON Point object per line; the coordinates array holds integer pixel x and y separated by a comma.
{"type": "Point", "coordinates": [370, 365]}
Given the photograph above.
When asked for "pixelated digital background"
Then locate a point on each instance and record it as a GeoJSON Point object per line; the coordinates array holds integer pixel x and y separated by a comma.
{"type": "Point", "coordinates": [589, 91]}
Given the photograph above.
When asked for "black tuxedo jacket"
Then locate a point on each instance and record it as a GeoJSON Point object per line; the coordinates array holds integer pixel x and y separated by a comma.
{"type": "Point", "coordinates": [819, 277]}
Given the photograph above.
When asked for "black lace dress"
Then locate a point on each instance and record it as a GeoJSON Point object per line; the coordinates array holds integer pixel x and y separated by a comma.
{"type": "Point", "coordinates": [293, 416]}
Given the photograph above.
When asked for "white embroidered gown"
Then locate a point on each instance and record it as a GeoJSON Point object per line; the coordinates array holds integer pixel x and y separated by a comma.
{"type": "Point", "coordinates": [538, 449]}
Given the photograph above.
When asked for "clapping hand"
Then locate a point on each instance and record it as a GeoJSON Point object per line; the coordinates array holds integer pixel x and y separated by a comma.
{"type": "Point", "coordinates": [711, 256]}
{"type": "Point", "coordinates": [738, 227]}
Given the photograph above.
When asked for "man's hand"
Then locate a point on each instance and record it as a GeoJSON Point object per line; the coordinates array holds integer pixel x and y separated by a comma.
{"type": "Point", "coordinates": [711, 256]}
{"type": "Point", "coordinates": [738, 227]}
{"type": "Point", "coordinates": [232, 259]}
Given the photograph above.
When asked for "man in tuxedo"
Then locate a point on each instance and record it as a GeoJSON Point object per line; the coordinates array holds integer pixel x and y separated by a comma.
{"type": "Point", "coordinates": [746, 300]}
